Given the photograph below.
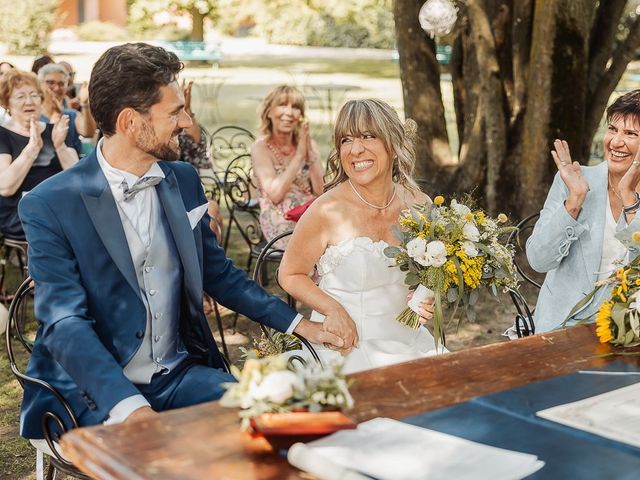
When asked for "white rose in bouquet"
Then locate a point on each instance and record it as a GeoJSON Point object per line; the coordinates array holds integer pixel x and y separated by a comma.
{"type": "Point", "coordinates": [416, 248]}
{"type": "Point", "coordinates": [470, 249]}
{"type": "Point", "coordinates": [277, 387]}
{"type": "Point", "coordinates": [436, 253]}
{"type": "Point", "coordinates": [470, 232]}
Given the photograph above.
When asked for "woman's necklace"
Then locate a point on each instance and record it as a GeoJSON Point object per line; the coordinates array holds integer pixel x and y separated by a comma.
{"type": "Point", "coordinates": [278, 152]}
{"type": "Point", "coordinates": [613, 189]}
{"type": "Point", "coordinates": [393, 196]}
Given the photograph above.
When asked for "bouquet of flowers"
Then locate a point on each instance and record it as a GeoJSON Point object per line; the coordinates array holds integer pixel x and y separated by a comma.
{"type": "Point", "coordinates": [275, 385]}
{"type": "Point", "coordinates": [449, 252]}
{"type": "Point", "coordinates": [618, 319]}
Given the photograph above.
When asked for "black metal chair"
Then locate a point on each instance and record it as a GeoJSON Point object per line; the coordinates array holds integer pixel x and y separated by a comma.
{"type": "Point", "coordinates": [13, 250]}
{"type": "Point", "coordinates": [273, 254]}
{"type": "Point", "coordinates": [524, 317]}
{"type": "Point", "coordinates": [53, 425]}
{"type": "Point", "coordinates": [243, 207]}
{"type": "Point", "coordinates": [227, 143]}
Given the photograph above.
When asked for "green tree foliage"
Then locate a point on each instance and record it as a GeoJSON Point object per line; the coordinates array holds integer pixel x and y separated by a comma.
{"type": "Point", "coordinates": [331, 23]}
{"type": "Point", "coordinates": [25, 24]}
{"type": "Point", "coordinates": [142, 12]}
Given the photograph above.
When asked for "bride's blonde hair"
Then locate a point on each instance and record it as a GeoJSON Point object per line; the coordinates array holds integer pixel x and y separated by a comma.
{"type": "Point", "coordinates": [380, 119]}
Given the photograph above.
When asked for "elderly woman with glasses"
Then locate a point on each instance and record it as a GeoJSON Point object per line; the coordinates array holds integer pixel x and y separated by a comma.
{"type": "Point", "coordinates": [30, 151]}
{"type": "Point", "coordinates": [576, 240]}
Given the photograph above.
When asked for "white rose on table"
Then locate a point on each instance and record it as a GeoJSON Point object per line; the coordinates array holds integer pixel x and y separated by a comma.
{"type": "Point", "coordinates": [459, 208]}
{"type": "Point", "coordinates": [471, 232]}
{"type": "Point", "coordinates": [416, 247]}
{"type": "Point", "coordinates": [277, 387]}
{"type": "Point", "coordinates": [470, 249]}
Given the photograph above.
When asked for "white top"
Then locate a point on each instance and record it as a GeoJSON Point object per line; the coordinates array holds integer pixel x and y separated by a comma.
{"type": "Point", "coordinates": [614, 253]}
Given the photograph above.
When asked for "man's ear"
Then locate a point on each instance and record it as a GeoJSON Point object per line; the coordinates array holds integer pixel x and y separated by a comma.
{"type": "Point", "coordinates": [127, 122]}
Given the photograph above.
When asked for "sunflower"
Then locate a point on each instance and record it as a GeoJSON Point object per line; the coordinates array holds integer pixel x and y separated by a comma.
{"type": "Point", "coordinates": [603, 322]}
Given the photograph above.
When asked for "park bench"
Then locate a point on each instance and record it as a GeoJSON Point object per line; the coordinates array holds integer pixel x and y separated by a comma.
{"type": "Point", "coordinates": [194, 51]}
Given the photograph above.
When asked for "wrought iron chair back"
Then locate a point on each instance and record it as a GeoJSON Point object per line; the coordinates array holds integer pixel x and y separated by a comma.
{"type": "Point", "coordinates": [272, 254]}
{"type": "Point", "coordinates": [12, 249]}
{"type": "Point", "coordinates": [524, 314]}
{"type": "Point", "coordinates": [53, 424]}
{"type": "Point", "coordinates": [243, 207]}
{"type": "Point", "coordinates": [227, 143]}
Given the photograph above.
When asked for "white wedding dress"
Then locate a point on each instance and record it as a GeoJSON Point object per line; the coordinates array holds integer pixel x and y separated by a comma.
{"type": "Point", "coordinates": [358, 275]}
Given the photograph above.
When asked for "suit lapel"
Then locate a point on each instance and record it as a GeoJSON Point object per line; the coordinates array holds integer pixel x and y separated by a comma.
{"type": "Point", "coordinates": [175, 212]}
{"type": "Point", "coordinates": [103, 212]}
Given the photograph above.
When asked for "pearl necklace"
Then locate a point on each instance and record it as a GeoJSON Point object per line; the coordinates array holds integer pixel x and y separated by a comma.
{"type": "Point", "coordinates": [393, 196]}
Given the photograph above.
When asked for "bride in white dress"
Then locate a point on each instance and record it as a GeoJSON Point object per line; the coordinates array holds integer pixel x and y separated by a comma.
{"type": "Point", "coordinates": [343, 235]}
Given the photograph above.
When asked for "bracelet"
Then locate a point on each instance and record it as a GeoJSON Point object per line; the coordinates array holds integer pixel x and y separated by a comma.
{"type": "Point", "coordinates": [633, 208]}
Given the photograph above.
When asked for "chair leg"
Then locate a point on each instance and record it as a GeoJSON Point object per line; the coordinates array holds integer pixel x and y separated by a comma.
{"type": "Point", "coordinates": [216, 311]}
{"type": "Point", "coordinates": [39, 465]}
{"type": "Point", "coordinates": [51, 472]}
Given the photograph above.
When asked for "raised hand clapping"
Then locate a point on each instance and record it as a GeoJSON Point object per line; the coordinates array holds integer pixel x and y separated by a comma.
{"type": "Point", "coordinates": [571, 174]}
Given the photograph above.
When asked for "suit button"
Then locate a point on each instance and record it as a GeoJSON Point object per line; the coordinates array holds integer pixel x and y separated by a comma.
{"type": "Point", "coordinates": [157, 338]}
{"type": "Point", "coordinates": [139, 334]}
{"type": "Point", "coordinates": [148, 269]}
{"type": "Point", "coordinates": [152, 292]}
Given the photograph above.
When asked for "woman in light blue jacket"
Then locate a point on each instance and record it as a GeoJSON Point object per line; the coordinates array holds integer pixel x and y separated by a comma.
{"type": "Point", "coordinates": [588, 209]}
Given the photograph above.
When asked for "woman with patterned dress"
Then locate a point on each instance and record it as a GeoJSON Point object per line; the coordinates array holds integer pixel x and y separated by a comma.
{"type": "Point", "coordinates": [286, 162]}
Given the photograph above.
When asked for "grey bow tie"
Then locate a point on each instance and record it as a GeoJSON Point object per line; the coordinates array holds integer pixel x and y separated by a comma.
{"type": "Point", "coordinates": [144, 182]}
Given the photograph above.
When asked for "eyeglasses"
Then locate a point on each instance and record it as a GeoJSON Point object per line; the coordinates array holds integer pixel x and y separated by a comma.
{"type": "Point", "coordinates": [22, 98]}
{"type": "Point", "coordinates": [53, 83]}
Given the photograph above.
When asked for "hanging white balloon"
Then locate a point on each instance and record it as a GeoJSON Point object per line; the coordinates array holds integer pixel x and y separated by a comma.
{"type": "Point", "coordinates": [437, 17]}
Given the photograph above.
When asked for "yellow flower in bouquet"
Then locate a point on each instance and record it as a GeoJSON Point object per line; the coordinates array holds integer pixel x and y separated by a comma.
{"type": "Point", "coordinates": [618, 318]}
{"type": "Point", "coordinates": [449, 252]}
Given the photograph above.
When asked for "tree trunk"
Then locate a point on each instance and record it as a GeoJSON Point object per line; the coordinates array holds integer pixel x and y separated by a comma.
{"type": "Point", "coordinates": [524, 72]}
{"type": "Point", "coordinates": [420, 75]}
{"type": "Point", "coordinates": [197, 25]}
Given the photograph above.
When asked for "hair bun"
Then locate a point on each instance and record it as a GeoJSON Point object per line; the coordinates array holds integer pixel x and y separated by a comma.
{"type": "Point", "coordinates": [410, 129]}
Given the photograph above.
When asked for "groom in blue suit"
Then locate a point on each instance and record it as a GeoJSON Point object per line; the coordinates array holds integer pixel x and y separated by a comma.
{"type": "Point", "coordinates": [120, 252]}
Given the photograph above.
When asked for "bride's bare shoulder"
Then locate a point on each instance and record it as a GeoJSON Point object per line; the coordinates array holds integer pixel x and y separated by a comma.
{"type": "Point", "coordinates": [415, 197]}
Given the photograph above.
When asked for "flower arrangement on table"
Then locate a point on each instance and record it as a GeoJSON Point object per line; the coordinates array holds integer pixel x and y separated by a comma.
{"type": "Point", "coordinates": [618, 318]}
{"type": "Point", "coordinates": [275, 385]}
{"type": "Point", "coordinates": [449, 252]}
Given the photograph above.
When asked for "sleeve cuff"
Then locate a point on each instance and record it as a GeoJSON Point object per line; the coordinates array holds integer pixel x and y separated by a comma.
{"type": "Point", "coordinates": [294, 324]}
{"type": "Point", "coordinates": [124, 408]}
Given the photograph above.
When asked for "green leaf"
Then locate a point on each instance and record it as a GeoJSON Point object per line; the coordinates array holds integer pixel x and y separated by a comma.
{"type": "Point", "coordinates": [395, 229]}
{"type": "Point", "coordinates": [392, 252]}
{"type": "Point", "coordinates": [473, 296]}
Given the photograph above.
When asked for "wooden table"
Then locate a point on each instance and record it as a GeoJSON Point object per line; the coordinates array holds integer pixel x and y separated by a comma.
{"type": "Point", "coordinates": [204, 442]}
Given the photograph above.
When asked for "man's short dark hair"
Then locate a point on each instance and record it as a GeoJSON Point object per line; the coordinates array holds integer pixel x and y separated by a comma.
{"type": "Point", "coordinates": [129, 76]}
{"type": "Point", "coordinates": [625, 105]}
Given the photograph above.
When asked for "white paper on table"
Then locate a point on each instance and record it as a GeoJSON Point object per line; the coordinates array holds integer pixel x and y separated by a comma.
{"type": "Point", "coordinates": [390, 450]}
{"type": "Point", "coordinates": [614, 415]}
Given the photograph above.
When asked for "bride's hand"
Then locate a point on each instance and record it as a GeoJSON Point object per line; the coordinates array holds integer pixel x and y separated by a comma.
{"type": "Point", "coordinates": [315, 333]}
{"type": "Point", "coordinates": [340, 323]}
{"type": "Point", "coordinates": [426, 309]}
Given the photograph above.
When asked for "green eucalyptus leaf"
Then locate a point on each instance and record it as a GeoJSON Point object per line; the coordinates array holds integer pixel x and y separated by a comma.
{"type": "Point", "coordinates": [392, 252]}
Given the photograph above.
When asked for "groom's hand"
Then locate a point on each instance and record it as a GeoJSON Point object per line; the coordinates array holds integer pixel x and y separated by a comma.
{"type": "Point", "coordinates": [340, 323]}
{"type": "Point", "coordinates": [315, 333]}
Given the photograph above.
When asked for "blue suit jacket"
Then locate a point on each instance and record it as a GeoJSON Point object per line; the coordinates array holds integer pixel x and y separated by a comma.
{"type": "Point", "coordinates": [87, 298]}
{"type": "Point", "coordinates": [570, 250]}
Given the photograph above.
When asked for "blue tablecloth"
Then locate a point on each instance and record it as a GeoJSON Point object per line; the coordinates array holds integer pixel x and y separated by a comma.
{"type": "Point", "coordinates": [507, 420]}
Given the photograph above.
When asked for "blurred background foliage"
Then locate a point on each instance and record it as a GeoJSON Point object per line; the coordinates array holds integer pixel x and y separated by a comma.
{"type": "Point", "coordinates": [26, 24]}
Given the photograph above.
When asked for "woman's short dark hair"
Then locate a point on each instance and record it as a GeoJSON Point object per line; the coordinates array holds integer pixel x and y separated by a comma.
{"type": "Point", "coordinates": [129, 76]}
{"type": "Point", "coordinates": [625, 105]}
{"type": "Point", "coordinates": [40, 62]}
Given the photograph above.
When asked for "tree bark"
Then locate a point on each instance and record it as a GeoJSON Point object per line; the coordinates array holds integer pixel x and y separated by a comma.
{"type": "Point", "coordinates": [420, 76]}
{"type": "Point", "coordinates": [197, 25]}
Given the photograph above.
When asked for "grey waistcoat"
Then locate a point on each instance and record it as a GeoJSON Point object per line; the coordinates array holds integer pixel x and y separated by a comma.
{"type": "Point", "coordinates": [159, 273]}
